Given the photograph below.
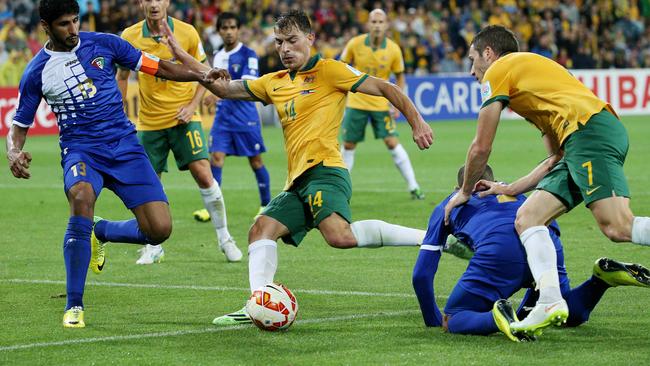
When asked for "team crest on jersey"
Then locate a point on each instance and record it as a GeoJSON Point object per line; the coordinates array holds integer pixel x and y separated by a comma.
{"type": "Point", "coordinates": [308, 91]}
{"type": "Point", "coordinates": [486, 91]}
{"type": "Point", "coordinates": [98, 62]}
{"type": "Point", "coordinates": [236, 67]}
{"type": "Point", "coordinates": [309, 79]}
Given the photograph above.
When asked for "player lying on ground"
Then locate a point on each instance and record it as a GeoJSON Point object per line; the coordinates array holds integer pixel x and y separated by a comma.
{"type": "Point", "coordinates": [310, 98]}
{"type": "Point", "coordinates": [75, 73]}
{"type": "Point", "coordinates": [586, 143]}
{"type": "Point", "coordinates": [498, 269]}
{"type": "Point", "coordinates": [168, 120]}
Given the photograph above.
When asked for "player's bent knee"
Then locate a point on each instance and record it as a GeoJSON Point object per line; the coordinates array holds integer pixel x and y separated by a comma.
{"type": "Point", "coordinates": [159, 232]}
{"type": "Point", "coordinates": [341, 242]}
{"type": "Point", "coordinates": [616, 233]}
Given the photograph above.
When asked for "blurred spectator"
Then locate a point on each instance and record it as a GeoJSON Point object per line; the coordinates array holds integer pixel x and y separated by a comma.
{"type": "Point", "coordinates": [12, 69]}
{"type": "Point", "coordinates": [434, 35]}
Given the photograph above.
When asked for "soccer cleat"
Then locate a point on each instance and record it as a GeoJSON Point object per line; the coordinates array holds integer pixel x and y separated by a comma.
{"type": "Point", "coordinates": [542, 316]}
{"type": "Point", "coordinates": [616, 273]}
{"type": "Point", "coordinates": [230, 250]}
{"type": "Point", "coordinates": [238, 317]}
{"type": "Point", "coordinates": [504, 315]}
{"type": "Point", "coordinates": [201, 215]}
{"type": "Point", "coordinates": [97, 250]}
{"type": "Point", "coordinates": [150, 254]}
{"type": "Point", "coordinates": [457, 248]}
{"type": "Point", "coordinates": [74, 317]}
{"type": "Point", "coordinates": [417, 194]}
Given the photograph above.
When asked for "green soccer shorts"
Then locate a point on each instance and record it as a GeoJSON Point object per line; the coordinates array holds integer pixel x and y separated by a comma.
{"type": "Point", "coordinates": [592, 166]}
{"type": "Point", "coordinates": [355, 120]}
{"type": "Point", "coordinates": [316, 194]}
{"type": "Point", "coordinates": [187, 141]}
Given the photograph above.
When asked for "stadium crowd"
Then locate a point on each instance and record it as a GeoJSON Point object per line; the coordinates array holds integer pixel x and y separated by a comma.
{"type": "Point", "coordinates": [433, 35]}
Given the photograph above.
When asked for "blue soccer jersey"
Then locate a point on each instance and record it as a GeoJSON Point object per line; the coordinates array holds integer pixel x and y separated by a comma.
{"type": "Point", "coordinates": [236, 115]}
{"type": "Point", "coordinates": [81, 89]}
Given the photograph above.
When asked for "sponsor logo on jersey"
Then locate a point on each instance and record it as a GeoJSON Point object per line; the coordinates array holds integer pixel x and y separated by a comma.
{"type": "Point", "coordinates": [98, 62]}
{"type": "Point", "coordinates": [236, 67]}
{"type": "Point", "coordinates": [308, 91]}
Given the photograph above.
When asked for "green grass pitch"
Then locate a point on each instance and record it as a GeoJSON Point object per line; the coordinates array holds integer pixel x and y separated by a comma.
{"type": "Point", "coordinates": [356, 306]}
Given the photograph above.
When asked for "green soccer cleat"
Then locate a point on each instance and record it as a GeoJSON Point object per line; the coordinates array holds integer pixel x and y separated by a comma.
{"type": "Point", "coordinates": [97, 250]}
{"type": "Point", "coordinates": [238, 317]}
{"type": "Point", "coordinates": [616, 273]}
{"type": "Point", "coordinates": [504, 314]}
{"type": "Point", "coordinates": [417, 194]}
{"type": "Point", "coordinates": [457, 248]}
{"type": "Point", "coordinates": [74, 317]}
{"type": "Point", "coordinates": [201, 215]}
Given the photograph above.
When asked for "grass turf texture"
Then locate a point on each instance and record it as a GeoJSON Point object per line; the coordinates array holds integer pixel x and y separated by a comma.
{"type": "Point", "coordinates": [356, 306]}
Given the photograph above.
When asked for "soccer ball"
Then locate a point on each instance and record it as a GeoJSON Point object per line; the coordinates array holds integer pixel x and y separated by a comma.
{"type": "Point", "coordinates": [272, 307]}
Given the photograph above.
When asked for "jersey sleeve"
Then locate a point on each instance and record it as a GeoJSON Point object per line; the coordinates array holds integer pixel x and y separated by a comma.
{"type": "Point", "coordinates": [130, 57]}
{"type": "Point", "coordinates": [347, 55]}
{"type": "Point", "coordinates": [29, 97]}
{"type": "Point", "coordinates": [437, 232]}
{"type": "Point", "coordinates": [257, 88]}
{"type": "Point", "coordinates": [397, 66]}
{"type": "Point", "coordinates": [196, 47]}
{"type": "Point", "coordinates": [496, 85]}
{"type": "Point", "coordinates": [251, 66]}
{"type": "Point", "coordinates": [343, 76]}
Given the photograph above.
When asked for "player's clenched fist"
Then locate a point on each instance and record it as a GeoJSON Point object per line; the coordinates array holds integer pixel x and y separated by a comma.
{"type": "Point", "coordinates": [216, 74]}
{"type": "Point", "coordinates": [423, 135]}
{"type": "Point", "coordinates": [19, 163]}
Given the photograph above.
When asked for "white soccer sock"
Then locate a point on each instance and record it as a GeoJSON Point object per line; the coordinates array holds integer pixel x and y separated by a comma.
{"type": "Point", "coordinates": [348, 157]}
{"type": "Point", "coordinates": [542, 261]}
{"type": "Point", "coordinates": [376, 233]}
{"type": "Point", "coordinates": [262, 262]}
{"type": "Point", "coordinates": [641, 230]}
{"type": "Point", "coordinates": [403, 164]}
{"type": "Point", "coordinates": [214, 203]}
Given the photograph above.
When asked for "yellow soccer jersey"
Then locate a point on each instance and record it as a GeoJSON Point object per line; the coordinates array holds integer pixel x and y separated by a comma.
{"type": "Point", "coordinates": [160, 99]}
{"type": "Point", "coordinates": [379, 62]}
{"type": "Point", "coordinates": [310, 103]}
{"type": "Point", "coordinates": [541, 91]}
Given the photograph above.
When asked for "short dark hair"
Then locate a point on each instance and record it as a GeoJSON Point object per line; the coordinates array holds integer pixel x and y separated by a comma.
{"type": "Point", "coordinates": [294, 18]}
{"type": "Point", "coordinates": [50, 10]}
{"type": "Point", "coordinates": [499, 38]}
{"type": "Point", "coordinates": [487, 174]}
{"type": "Point", "coordinates": [227, 16]}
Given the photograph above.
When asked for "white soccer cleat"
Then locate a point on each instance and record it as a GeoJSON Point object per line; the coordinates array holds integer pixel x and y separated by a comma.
{"type": "Point", "coordinates": [230, 250]}
{"type": "Point", "coordinates": [542, 316]}
{"type": "Point", "coordinates": [150, 254]}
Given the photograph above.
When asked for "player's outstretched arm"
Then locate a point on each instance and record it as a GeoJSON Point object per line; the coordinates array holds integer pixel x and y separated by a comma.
{"type": "Point", "coordinates": [19, 160]}
{"type": "Point", "coordinates": [422, 133]}
{"type": "Point", "coordinates": [228, 89]}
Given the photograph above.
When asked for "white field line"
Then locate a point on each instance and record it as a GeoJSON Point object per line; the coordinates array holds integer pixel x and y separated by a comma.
{"type": "Point", "coordinates": [193, 331]}
{"type": "Point", "coordinates": [215, 288]}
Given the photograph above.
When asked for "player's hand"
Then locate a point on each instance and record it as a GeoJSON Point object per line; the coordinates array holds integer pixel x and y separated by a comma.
{"type": "Point", "coordinates": [458, 199]}
{"type": "Point", "coordinates": [210, 99]}
{"type": "Point", "coordinates": [422, 134]}
{"type": "Point", "coordinates": [186, 112]}
{"type": "Point", "coordinates": [19, 163]}
{"type": "Point", "coordinates": [487, 187]}
{"type": "Point", "coordinates": [216, 74]}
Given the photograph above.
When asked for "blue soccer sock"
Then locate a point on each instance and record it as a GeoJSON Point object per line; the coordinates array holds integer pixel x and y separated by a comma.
{"type": "Point", "coordinates": [216, 173]}
{"type": "Point", "coordinates": [583, 299]}
{"type": "Point", "coordinates": [263, 184]}
{"type": "Point", "coordinates": [126, 231]}
{"type": "Point", "coordinates": [472, 322]}
{"type": "Point", "coordinates": [76, 255]}
{"type": "Point", "coordinates": [423, 273]}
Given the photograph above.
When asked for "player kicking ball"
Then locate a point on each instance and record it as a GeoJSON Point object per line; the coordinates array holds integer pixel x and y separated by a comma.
{"type": "Point", "coordinates": [74, 73]}
{"type": "Point", "coordinates": [477, 304]}
{"type": "Point", "coordinates": [310, 98]}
